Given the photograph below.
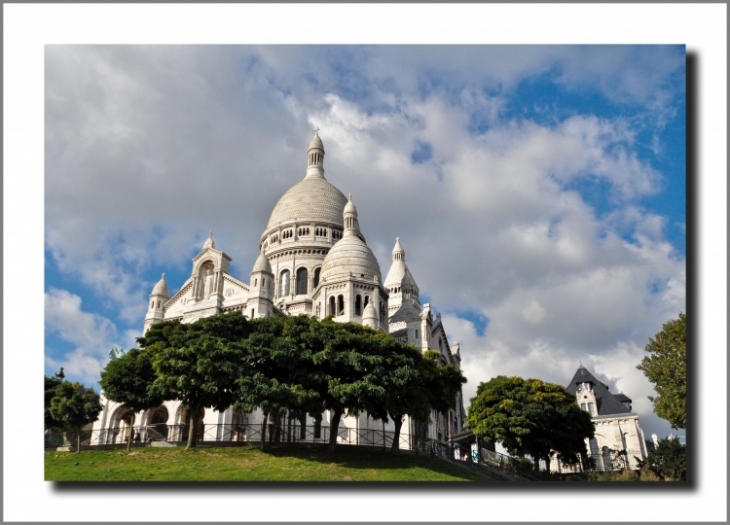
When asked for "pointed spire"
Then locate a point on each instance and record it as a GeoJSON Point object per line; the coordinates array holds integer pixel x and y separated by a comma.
{"type": "Point", "coordinates": [209, 242]}
{"type": "Point", "coordinates": [315, 157]}
{"type": "Point", "coordinates": [398, 253]}
{"type": "Point", "coordinates": [349, 216]}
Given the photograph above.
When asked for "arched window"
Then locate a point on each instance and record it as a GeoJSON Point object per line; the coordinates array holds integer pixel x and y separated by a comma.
{"type": "Point", "coordinates": [302, 281]}
{"type": "Point", "coordinates": [367, 300]}
{"type": "Point", "coordinates": [316, 277]}
{"type": "Point", "coordinates": [358, 305]}
{"type": "Point", "coordinates": [332, 306]}
{"type": "Point", "coordinates": [340, 305]}
{"type": "Point", "coordinates": [285, 283]}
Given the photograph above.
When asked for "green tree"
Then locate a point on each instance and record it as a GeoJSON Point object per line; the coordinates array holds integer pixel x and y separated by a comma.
{"type": "Point", "coordinates": [129, 380]}
{"type": "Point", "coordinates": [73, 406]}
{"type": "Point", "coordinates": [198, 363]}
{"type": "Point", "coordinates": [51, 383]}
{"type": "Point", "coordinates": [666, 369]}
{"type": "Point", "coordinates": [345, 365]}
{"type": "Point", "coordinates": [275, 368]}
{"type": "Point", "coordinates": [531, 417]}
{"type": "Point", "coordinates": [668, 461]}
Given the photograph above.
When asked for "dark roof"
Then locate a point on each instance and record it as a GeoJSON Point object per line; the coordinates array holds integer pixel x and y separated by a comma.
{"type": "Point", "coordinates": [623, 398]}
{"type": "Point", "coordinates": [607, 402]}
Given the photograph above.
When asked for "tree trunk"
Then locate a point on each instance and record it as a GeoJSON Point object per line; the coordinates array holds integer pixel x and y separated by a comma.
{"type": "Point", "coordinates": [263, 430]}
{"type": "Point", "coordinates": [131, 434]}
{"type": "Point", "coordinates": [78, 440]}
{"type": "Point", "coordinates": [192, 428]}
{"type": "Point", "coordinates": [547, 463]}
{"type": "Point", "coordinates": [536, 460]}
{"type": "Point", "coordinates": [334, 426]}
{"type": "Point", "coordinates": [398, 420]}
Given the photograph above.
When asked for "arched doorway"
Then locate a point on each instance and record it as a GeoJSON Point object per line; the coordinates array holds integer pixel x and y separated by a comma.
{"type": "Point", "coordinates": [157, 429]}
{"type": "Point", "coordinates": [122, 425]}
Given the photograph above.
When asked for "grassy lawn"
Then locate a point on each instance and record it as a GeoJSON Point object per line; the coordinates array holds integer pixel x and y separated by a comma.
{"type": "Point", "coordinates": [248, 463]}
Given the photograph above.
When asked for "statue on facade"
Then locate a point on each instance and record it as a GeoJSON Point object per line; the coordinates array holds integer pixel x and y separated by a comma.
{"type": "Point", "coordinates": [208, 283]}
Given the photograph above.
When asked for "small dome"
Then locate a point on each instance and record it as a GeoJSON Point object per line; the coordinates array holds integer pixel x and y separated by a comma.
{"type": "Point", "coordinates": [262, 264]}
{"type": "Point", "coordinates": [370, 316]}
{"type": "Point", "coordinates": [350, 206]}
{"type": "Point", "coordinates": [350, 256]}
{"type": "Point", "coordinates": [161, 287]}
{"type": "Point", "coordinates": [316, 142]}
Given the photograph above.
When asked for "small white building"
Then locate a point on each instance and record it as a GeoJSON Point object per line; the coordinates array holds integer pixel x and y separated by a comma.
{"type": "Point", "coordinates": [313, 260]}
{"type": "Point", "coordinates": [619, 441]}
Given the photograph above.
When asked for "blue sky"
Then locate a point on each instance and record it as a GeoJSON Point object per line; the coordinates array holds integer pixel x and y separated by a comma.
{"type": "Point", "coordinates": [538, 191]}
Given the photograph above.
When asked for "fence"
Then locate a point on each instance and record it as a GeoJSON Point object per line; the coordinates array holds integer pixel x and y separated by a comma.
{"type": "Point", "coordinates": [232, 434]}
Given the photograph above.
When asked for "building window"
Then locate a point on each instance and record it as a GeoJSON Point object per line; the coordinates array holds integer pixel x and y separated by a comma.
{"type": "Point", "coordinates": [302, 281]}
{"type": "Point", "coordinates": [285, 283]}
{"type": "Point", "coordinates": [316, 277]}
{"type": "Point", "coordinates": [358, 305]}
{"type": "Point", "coordinates": [332, 306]}
{"type": "Point", "coordinates": [592, 409]}
{"type": "Point", "coordinates": [340, 305]}
{"type": "Point", "coordinates": [416, 334]}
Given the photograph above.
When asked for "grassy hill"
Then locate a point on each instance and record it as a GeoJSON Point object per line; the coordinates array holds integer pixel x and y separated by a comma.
{"type": "Point", "coordinates": [248, 463]}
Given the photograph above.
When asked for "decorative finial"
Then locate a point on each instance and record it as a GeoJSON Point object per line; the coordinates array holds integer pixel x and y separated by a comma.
{"type": "Point", "coordinates": [163, 276]}
{"type": "Point", "coordinates": [316, 131]}
{"type": "Point", "coordinates": [60, 374]}
{"type": "Point", "coordinates": [350, 196]}
{"type": "Point", "coordinates": [397, 239]}
{"type": "Point", "coordinates": [210, 234]}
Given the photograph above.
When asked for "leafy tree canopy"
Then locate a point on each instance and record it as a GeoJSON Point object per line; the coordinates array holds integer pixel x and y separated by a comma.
{"type": "Point", "coordinates": [666, 369]}
{"type": "Point", "coordinates": [72, 406]}
{"type": "Point", "coordinates": [530, 416]}
{"type": "Point", "coordinates": [198, 363]}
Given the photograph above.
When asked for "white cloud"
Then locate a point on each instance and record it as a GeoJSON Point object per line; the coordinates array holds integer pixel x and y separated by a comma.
{"type": "Point", "coordinates": [91, 336]}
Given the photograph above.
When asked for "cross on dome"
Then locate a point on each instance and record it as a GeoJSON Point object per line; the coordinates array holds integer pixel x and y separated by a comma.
{"type": "Point", "coordinates": [316, 130]}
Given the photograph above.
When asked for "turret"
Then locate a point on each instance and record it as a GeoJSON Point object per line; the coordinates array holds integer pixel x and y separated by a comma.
{"type": "Point", "coordinates": [159, 296]}
{"type": "Point", "coordinates": [260, 302]}
{"type": "Point", "coordinates": [315, 157]}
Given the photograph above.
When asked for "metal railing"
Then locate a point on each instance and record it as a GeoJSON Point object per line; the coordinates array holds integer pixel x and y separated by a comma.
{"type": "Point", "coordinates": [229, 434]}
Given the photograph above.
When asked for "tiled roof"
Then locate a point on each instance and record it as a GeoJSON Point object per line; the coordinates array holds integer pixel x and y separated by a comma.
{"type": "Point", "coordinates": [608, 403]}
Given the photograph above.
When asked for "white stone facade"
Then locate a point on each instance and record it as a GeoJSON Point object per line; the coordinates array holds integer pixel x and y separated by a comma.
{"type": "Point", "coordinates": [313, 260]}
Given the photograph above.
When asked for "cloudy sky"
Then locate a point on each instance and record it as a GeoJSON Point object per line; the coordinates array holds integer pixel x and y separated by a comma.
{"type": "Point", "coordinates": [539, 191]}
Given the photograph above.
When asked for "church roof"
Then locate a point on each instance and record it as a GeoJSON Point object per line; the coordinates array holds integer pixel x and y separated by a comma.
{"type": "Point", "coordinates": [607, 403]}
{"type": "Point", "coordinates": [311, 199]}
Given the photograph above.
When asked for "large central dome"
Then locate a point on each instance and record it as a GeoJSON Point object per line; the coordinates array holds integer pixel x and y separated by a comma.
{"type": "Point", "coordinates": [313, 199]}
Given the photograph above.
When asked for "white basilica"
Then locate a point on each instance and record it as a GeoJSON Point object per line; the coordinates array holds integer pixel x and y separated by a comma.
{"type": "Point", "coordinates": [315, 261]}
